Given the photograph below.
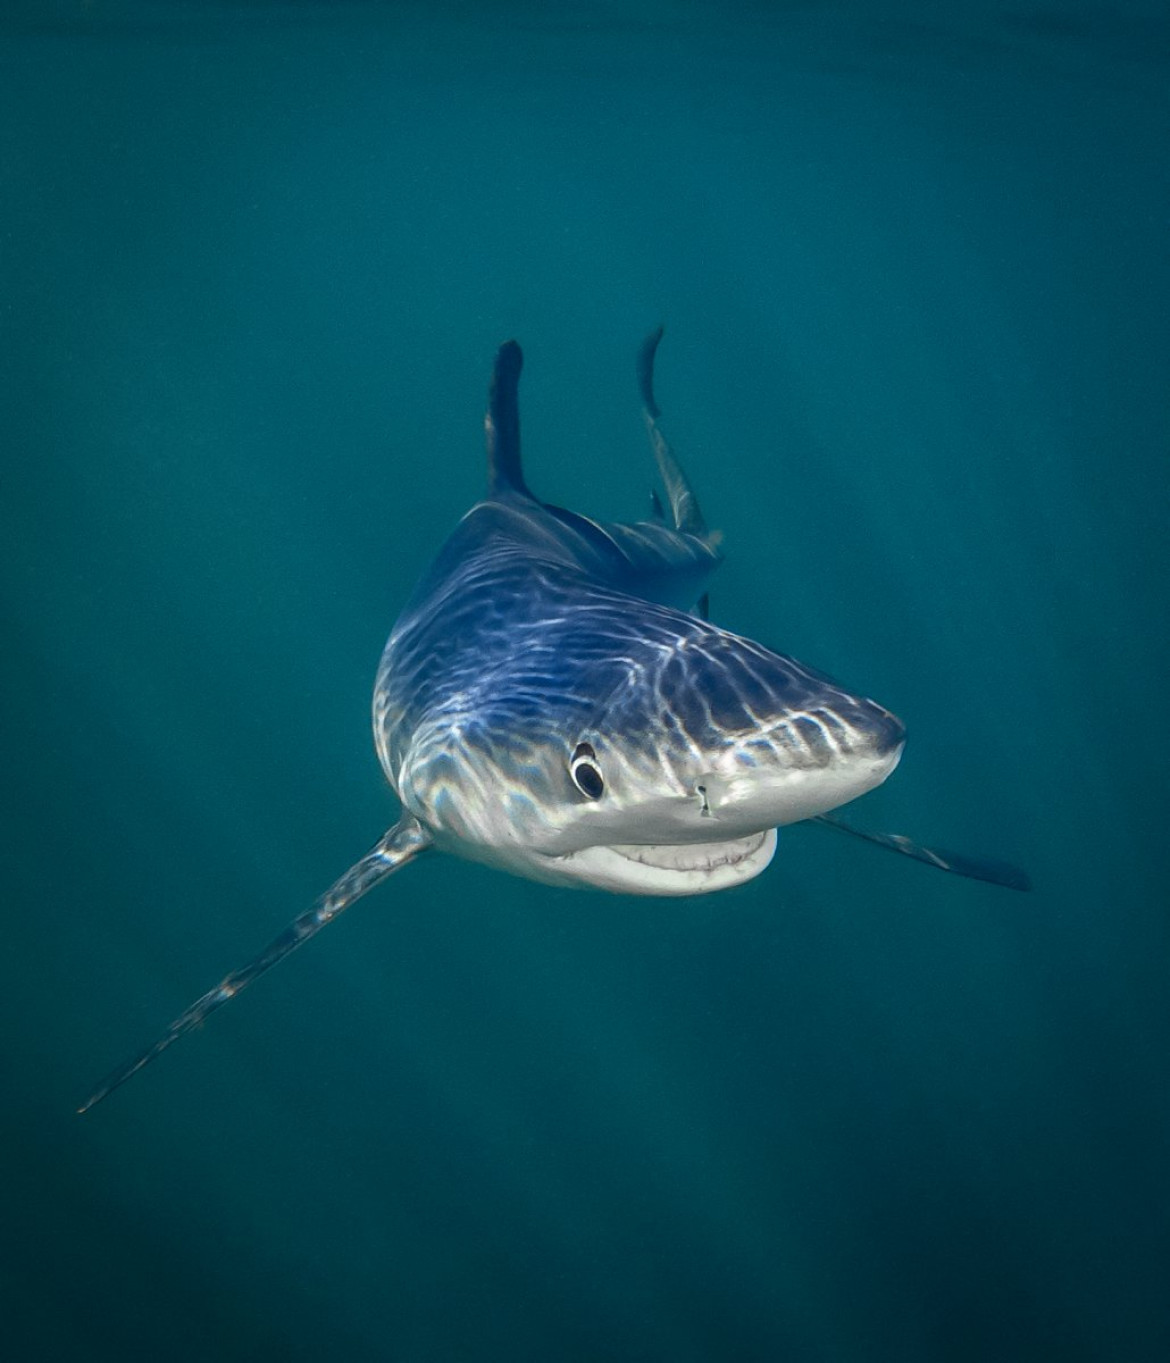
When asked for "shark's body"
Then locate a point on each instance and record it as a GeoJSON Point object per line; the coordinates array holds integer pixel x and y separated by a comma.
{"type": "Point", "coordinates": [550, 703]}
{"type": "Point", "coordinates": [537, 632]}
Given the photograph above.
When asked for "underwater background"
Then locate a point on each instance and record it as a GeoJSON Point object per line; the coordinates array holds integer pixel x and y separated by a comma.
{"type": "Point", "coordinates": [255, 260]}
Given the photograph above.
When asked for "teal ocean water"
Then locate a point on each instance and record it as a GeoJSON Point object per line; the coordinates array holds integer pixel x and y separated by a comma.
{"type": "Point", "coordinates": [255, 260]}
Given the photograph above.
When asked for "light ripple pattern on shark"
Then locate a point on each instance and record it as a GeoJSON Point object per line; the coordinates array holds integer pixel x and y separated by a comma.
{"type": "Point", "coordinates": [550, 702]}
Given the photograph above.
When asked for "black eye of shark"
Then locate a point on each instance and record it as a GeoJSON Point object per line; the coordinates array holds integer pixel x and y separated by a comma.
{"type": "Point", "coordinates": [586, 773]}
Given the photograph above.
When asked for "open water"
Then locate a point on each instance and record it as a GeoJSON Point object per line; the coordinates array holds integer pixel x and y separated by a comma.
{"type": "Point", "coordinates": [255, 260]}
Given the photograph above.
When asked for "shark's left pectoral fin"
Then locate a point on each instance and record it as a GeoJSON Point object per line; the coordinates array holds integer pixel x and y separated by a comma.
{"type": "Point", "coordinates": [401, 844]}
{"type": "Point", "coordinates": [973, 868]}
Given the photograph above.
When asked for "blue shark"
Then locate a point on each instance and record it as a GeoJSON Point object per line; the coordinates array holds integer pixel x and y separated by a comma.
{"type": "Point", "coordinates": [553, 701]}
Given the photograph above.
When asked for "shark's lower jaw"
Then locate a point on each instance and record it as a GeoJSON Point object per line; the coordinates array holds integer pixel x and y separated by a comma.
{"type": "Point", "coordinates": [667, 869]}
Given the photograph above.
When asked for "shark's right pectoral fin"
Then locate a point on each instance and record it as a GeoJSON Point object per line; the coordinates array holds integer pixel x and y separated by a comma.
{"type": "Point", "coordinates": [958, 863]}
{"type": "Point", "coordinates": [401, 844]}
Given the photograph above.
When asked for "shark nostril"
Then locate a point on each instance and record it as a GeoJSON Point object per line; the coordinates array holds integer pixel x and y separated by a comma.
{"type": "Point", "coordinates": [705, 808]}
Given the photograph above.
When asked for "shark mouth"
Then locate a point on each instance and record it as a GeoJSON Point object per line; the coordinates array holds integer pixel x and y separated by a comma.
{"type": "Point", "coordinates": [670, 868]}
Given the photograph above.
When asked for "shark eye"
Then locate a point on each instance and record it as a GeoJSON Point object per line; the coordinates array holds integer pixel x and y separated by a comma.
{"type": "Point", "coordinates": [585, 772]}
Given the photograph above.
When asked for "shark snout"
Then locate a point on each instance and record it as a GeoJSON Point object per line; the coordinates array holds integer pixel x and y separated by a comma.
{"type": "Point", "coordinates": [837, 731]}
{"type": "Point", "coordinates": [886, 730]}
{"type": "Point", "coordinates": [811, 761]}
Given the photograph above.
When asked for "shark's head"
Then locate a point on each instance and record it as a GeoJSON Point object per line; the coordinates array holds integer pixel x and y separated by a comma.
{"type": "Point", "coordinates": [668, 775]}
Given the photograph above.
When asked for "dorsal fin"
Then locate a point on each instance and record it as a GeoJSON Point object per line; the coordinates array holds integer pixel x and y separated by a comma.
{"type": "Point", "coordinates": [684, 505]}
{"type": "Point", "coordinates": [502, 424]}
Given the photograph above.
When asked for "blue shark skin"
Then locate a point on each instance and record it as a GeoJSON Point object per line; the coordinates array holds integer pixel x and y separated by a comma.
{"type": "Point", "coordinates": [521, 648]}
{"type": "Point", "coordinates": [550, 703]}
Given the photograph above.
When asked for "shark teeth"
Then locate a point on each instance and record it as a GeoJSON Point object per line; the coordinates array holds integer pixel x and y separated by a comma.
{"type": "Point", "coordinates": [694, 856]}
{"type": "Point", "coordinates": [665, 868]}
